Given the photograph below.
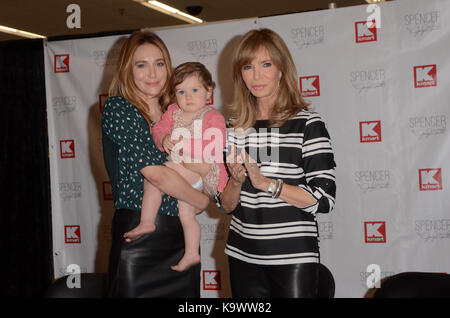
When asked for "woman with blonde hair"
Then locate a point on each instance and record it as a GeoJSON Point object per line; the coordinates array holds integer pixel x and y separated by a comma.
{"type": "Point", "coordinates": [138, 96]}
{"type": "Point", "coordinates": [282, 167]}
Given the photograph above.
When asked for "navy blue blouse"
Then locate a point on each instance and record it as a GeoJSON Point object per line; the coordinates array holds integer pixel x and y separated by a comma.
{"type": "Point", "coordinates": [127, 148]}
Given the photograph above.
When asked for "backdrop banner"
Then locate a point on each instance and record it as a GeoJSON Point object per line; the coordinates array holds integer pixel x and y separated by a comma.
{"type": "Point", "coordinates": [378, 75]}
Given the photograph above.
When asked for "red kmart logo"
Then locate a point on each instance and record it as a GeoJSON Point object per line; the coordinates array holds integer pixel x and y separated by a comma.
{"type": "Point", "coordinates": [425, 76]}
{"type": "Point", "coordinates": [364, 32]}
{"type": "Point", "coordinates": [67, 148]}
{"type": "Point", "coordinates": [310, 86]}
{"type": "Point", "coordinates": [370, 131]}
{"type": "Point", "coordinates": [62, 63]}
{"type": "Point", "coordinates": [72, 234]}
{"type": "Point", "coordinates": [430, 179]}
{"type": "Point", "coordinates": [375, 232]}
{"type": "Point", "coordinates": [211, 280]}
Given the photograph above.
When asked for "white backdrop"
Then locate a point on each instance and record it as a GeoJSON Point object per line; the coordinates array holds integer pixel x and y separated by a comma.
{"type": "Point", "coordinates": [382, 91]}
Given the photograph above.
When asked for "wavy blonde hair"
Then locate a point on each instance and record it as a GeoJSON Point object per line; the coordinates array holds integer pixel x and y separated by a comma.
{"type": "Point", "coordinates": [289, 100]}
{"type": "Point", "coordinates": [123, 83]}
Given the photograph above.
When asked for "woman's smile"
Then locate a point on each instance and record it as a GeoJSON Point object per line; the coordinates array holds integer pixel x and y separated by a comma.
{"type": "Point", "coordinates": [258, 87]}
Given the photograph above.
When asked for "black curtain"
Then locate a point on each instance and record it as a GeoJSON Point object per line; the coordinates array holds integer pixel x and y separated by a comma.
{"type": "Point", "coordinates": [25, 222]}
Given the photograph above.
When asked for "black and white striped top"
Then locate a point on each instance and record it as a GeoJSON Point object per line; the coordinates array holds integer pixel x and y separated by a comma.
{"type": "Point", "coordinates": [270, 231]}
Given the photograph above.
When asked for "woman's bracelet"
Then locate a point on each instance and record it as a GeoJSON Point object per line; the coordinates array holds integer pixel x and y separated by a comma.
{"type": "Point", "coordinates": [278, 190]}
{"type": "Point", "coordinates": [275, 187]}
{"type": "Point", "coordinates": [272, 187]}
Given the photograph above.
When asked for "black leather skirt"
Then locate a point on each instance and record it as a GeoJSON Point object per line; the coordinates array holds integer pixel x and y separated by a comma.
{"type": "Point", "coordinates": [142, 268]}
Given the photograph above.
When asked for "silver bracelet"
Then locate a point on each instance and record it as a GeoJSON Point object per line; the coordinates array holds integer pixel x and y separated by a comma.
{"type": "Point", "coordinates": [278, 190]}
{"type": "Point", "coordinates": [272, 187]}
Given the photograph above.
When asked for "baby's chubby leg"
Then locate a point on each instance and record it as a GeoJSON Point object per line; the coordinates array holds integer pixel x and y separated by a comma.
{"type": "Point", "coordinates": [192, 234]}
{"type": "Point", "coordinates": [191, 228]}
{"type": "Point", "coordinates": [190, 176]}
{"type": "Point", "coordinates": [169, 181]}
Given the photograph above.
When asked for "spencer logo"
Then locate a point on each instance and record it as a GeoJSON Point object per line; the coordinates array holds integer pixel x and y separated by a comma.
{"type": "Point", "coordinates": [102, 57]}
{"type": "Point", "coordinates": [203, 48]}
{"type": "Point", "coordinates": [425, 76]}
{"type": "Point", "coordinates": [365, 276]}
{"type": "Point", "coordinates": [61, 64]}
{"type": "Point", "coordinates": [310, 86]}
{"type": "Point", "coordinates": [69, 190]}
{"type": "Point", "coordinates": [307, 35]}
{"type": "Point", "coordinates": [367, 79]}
{"type": "Point", "coordinates": [64, 104]}
{"type": "Point", "coordinates": [364, 33]}
{"type": "Point", "coordinates": [424, 126]}
{"type": "Point", "coordinates": [67, 149]}
{"type": "Point", "coordinates": [375, 232]}
{"type": "Point", "coordinates": [432, 230]}
{"type": "Point", "coordinates": [430, 179]}
{"type": "Point", "coordinates": [369, 180]}
{"type": "Point", "coordinates": [211, 280]}
{"type": "Point", "coordinates": [72, 234]}
{"type": "Point", "coordinates": [212, 233]}
{"type": "Point", "coordinates": [421, 23]}
{"type": "Point", "coordinates": [370, 131]}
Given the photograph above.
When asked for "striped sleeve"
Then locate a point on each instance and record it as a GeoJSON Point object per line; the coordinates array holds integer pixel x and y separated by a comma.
{"type": "Point", "coordinates": [319, 165]}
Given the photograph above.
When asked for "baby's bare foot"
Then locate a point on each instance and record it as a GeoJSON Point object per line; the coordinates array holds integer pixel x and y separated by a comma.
{"type": "Point", "coordinates": [187, 261]}
{"type": "Point", "coordinates": [138, 231]}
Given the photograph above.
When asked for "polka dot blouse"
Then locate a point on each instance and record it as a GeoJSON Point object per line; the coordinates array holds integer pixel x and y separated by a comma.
{"type": "Point", "coordinates": [128, 147]}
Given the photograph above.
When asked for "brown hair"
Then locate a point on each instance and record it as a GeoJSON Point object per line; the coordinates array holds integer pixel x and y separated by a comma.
{"type": "Point", "coordinates": [188, 69]}
{"type": "Point", "coordinates": [289, 100]}
{"type": "Point", "coordinates": [123, 84]}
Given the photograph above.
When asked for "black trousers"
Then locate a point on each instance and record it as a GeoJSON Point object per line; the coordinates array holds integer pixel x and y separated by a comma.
{"type": "Point", "coordinates": [142, 268]}
{"type": "Point", "coordinates": [273, 281]}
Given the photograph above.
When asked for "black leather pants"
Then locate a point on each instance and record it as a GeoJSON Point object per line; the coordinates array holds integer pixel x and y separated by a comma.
{"type": "Point", "coordinates": [273, 281]}
{"type": "Point", "coordinates": [142, 268]}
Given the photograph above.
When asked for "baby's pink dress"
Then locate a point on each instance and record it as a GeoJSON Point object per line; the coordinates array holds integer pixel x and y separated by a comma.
{"type": "Point", "coordinates": [207, 147]}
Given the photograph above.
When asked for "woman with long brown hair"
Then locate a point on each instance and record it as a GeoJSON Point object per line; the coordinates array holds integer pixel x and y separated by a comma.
{"type": "Point", "coordinates": [281, 166]}
{"type": "Point", "coordinates": [138, 96]}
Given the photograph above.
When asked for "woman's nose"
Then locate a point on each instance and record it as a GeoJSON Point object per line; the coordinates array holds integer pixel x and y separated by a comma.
{"type": "Point", "coordinates": [151, 72]}
{"type": "Point", "coordinates": [256, 73]}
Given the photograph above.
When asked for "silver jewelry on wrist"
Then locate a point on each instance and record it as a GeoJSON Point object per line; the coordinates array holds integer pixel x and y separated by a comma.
{"type": "Point", "coordinates": [278, 190]}
{"type": "Point", "coordinates": [272, 187]}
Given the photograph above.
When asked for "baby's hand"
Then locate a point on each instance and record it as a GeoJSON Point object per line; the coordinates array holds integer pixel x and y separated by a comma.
{"type": "Point", "coordinates": [167, 143]}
